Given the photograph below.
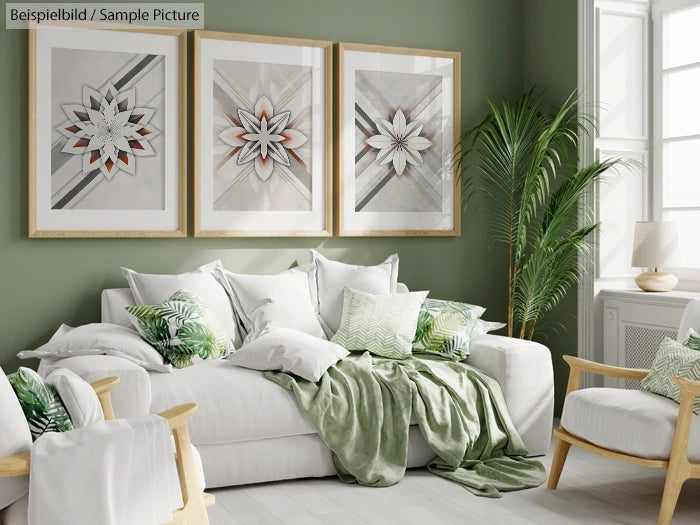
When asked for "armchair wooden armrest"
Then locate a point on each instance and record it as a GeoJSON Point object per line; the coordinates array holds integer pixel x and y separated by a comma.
{"type": "Point", "coordinates": [103, 388]}
{"type": "Point", "coordinates": [579, 365]}
{"type": "Point", "coordinates": [16, 465]}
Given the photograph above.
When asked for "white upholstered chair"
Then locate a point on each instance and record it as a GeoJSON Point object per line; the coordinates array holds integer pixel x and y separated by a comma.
{"type": "Point", "coordinates": [633, 425]}
{"type": "Point", "coordinates": [195, 501]}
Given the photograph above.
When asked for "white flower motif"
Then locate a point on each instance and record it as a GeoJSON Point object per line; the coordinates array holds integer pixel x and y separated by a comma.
{"type": "Point", "coordinates": [108, 130]}
{"type": "Point", "coordinates": [263, 137]}
{"type": "Point", "coordinates": [399, 142]}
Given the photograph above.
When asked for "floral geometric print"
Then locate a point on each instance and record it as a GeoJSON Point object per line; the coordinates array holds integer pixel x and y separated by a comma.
{"type": "Point", "coordinates": [108, 130]}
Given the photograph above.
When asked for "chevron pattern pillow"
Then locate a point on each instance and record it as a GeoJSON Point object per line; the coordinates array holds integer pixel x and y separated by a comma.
{"type": "Point", "coordinates": [673, 360]}
{"type": "Point", "coordinates": [445, 328]}
{"type": "Point", "coordinates": [384, 325]}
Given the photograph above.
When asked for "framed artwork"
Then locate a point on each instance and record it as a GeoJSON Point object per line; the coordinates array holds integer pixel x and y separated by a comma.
{"type": "Point", "coordinates": [262, 165]}
{"type": "Point", "coordinates": [398, 123]}
{"type": "Point", "coordinates": [107, 132]}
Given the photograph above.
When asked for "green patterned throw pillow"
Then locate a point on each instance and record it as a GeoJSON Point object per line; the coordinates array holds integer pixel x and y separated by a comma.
{"type": "Point", "coordinates": [40, 403]}
{"type": "Point", "coordinates": [181, 328]}
{"type": "Point", "coordinates": [445, 328]}
{"type": "Point", "coordinates": [385, 325]}
{"type": "Point", "coordinates": [693, 340]}
{"type": "Point", "coordinates": [673, 360]}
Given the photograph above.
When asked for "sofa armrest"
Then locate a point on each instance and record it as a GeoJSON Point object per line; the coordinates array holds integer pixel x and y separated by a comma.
{"type": "Point", "coordinates": [524, 371]}
{"type": "Point", "coordinates": [131, 397]}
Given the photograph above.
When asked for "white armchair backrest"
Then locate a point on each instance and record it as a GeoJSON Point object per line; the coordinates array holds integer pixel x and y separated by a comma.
{"type": "Point", "coordinates": [690, 319]}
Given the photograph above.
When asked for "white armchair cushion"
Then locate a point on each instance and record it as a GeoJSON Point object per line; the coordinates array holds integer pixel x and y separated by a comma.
{"type": "Point", "coordinates": [78, 397]}
{"type": "Point", "coordinates": [131, 397]}
{"type": "Point", "coordinates": [14, 439]}
{"type": "Point", "coordinates": [629, 421]}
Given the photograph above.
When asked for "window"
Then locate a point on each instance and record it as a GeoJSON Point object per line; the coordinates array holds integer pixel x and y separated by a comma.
{"type": "Point", "coordinates": [676, 170]}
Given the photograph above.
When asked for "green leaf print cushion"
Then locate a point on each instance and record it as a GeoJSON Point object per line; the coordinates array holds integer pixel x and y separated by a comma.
{"type": "Point", "coordinates": [40, 403]}
{"type": "Point", "coordinates": [445, 327]}
{"type": "Point", "coordinates": [181, 328]}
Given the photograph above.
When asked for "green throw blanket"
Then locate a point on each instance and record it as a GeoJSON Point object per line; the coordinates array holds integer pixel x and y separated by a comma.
{"type": "Point", "coordinates": [362, 408]}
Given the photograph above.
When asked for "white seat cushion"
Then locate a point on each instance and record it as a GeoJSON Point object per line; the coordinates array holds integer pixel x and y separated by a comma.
{"type": "Point", "coordinates": [234, 403]}
{"type": "Point", "coordinates": [630, 421]}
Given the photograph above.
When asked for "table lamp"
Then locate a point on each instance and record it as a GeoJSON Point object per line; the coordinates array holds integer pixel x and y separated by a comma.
{"type": "Point", "coordinates": [656, 244]}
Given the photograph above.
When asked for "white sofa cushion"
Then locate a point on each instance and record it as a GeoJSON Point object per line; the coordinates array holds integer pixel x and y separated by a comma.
{"type": "Point", "coordinates": [234, 403]}
{"type": "Point", "coordinates": [14, 439]}
{"type": "Point", "coordinates": [291, 351]}
{"type": "Point", "coordinates": [524, 371]}
{"type": "Point", "coordinates": [629, 421]}
{"type": "Point", "coordinates": [332, 277]}
{"type": "Point", "coordinates": [284, 300]}
{"type": "Point", "coordinates": [153, 288]}
{"type": "Point", "coordinates": [97, 339]}
{"type": "Point", "coordinates": [113, 305]}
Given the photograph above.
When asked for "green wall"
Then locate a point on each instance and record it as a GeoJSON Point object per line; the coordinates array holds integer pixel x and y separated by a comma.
{"type": "Point", "coordinates": [45, 282]}
{"type": "Point", "coordinates": [550, 61]}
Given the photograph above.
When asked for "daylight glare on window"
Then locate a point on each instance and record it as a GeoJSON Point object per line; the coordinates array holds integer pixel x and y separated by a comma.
{"type": "Point", "coordinates": [682, 42]}
{"type": "Point", "coordinates": [680, 127]}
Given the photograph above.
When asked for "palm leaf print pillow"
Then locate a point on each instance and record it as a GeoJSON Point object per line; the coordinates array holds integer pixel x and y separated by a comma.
{"type": "Point", "coordinates": [445, 327]}
{"type": "Point", "coordinates": [182, 329]}
{"type": "Point", "coordinates": [40, 403]}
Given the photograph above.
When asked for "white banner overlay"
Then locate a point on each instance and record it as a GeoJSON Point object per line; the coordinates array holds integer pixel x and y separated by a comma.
{"type": "Point", "coordinates": [170, 14]}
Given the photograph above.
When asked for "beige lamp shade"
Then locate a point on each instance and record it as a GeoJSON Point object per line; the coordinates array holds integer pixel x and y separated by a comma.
{"type": "Point", "coordinates": [656, 244]}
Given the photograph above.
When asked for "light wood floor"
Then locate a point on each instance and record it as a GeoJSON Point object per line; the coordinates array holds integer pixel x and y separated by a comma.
{"type": "Point", "coordinates": [592, 490]}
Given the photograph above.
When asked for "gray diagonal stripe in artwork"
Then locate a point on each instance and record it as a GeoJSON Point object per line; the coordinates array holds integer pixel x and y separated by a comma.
{"type": "Point", "coordinates": [371, 194]}
{"type": "Point", "coordinates": [138, 67]}
{"type": "Point", "coordinates": [370, 124]}
{"type": "Point", "coordinates": [58, 158]}
{"type": "Point", "coordinates": [75, 190]}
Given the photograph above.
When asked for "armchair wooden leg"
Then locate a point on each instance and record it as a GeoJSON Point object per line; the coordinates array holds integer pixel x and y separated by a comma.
{"type": "Point", "coordinates": [561, 450]}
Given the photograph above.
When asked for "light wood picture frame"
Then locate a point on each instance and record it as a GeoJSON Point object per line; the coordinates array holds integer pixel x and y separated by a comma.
{"type": "Point", "coordinates": [262, 136]}
{"type": "Point", "coordinates": [107, 132]}
{"type": "Point", "coordinates": [397, 110]}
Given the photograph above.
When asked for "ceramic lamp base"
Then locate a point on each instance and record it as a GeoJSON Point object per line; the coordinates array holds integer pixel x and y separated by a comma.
{"type": "Point", "coordinates": [656, 281]}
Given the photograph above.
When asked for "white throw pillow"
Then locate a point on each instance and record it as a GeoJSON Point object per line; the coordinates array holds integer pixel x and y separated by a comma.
{"type": "Point", "coordinates": [101, 339]}
{"type": "Point", "coordinates": [14, 439]}
{"type": "Point", "coordinates": [484, 327]}
{"type": "Point", "coordinates": [150, 288]}
{"type": "Point", "coordinates": [289, 350]}
{"type": "Point", "coordinates": [332, 277]}
{"type": "Point", "coordinates": [284, 300]}
{"type": "Point", "coordinates": [78, 397]}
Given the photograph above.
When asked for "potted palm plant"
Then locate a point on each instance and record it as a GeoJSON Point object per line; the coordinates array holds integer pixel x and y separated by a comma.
{"type": "Point", "coordinates": [518, 159]}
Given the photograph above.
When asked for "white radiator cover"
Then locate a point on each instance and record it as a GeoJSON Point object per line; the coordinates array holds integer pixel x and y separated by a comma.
{"type": "Point", "coordinates": [634, 323]}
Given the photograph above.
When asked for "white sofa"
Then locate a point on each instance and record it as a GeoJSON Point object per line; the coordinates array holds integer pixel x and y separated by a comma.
{"type": "Point", "coordinates": [248, 429]}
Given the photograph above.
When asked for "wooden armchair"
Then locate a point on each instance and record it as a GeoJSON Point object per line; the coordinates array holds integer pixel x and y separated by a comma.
{"type": "Point", "coordinates": [195, 501]}
{"type": "Point", "coordinates": [678, 465]}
